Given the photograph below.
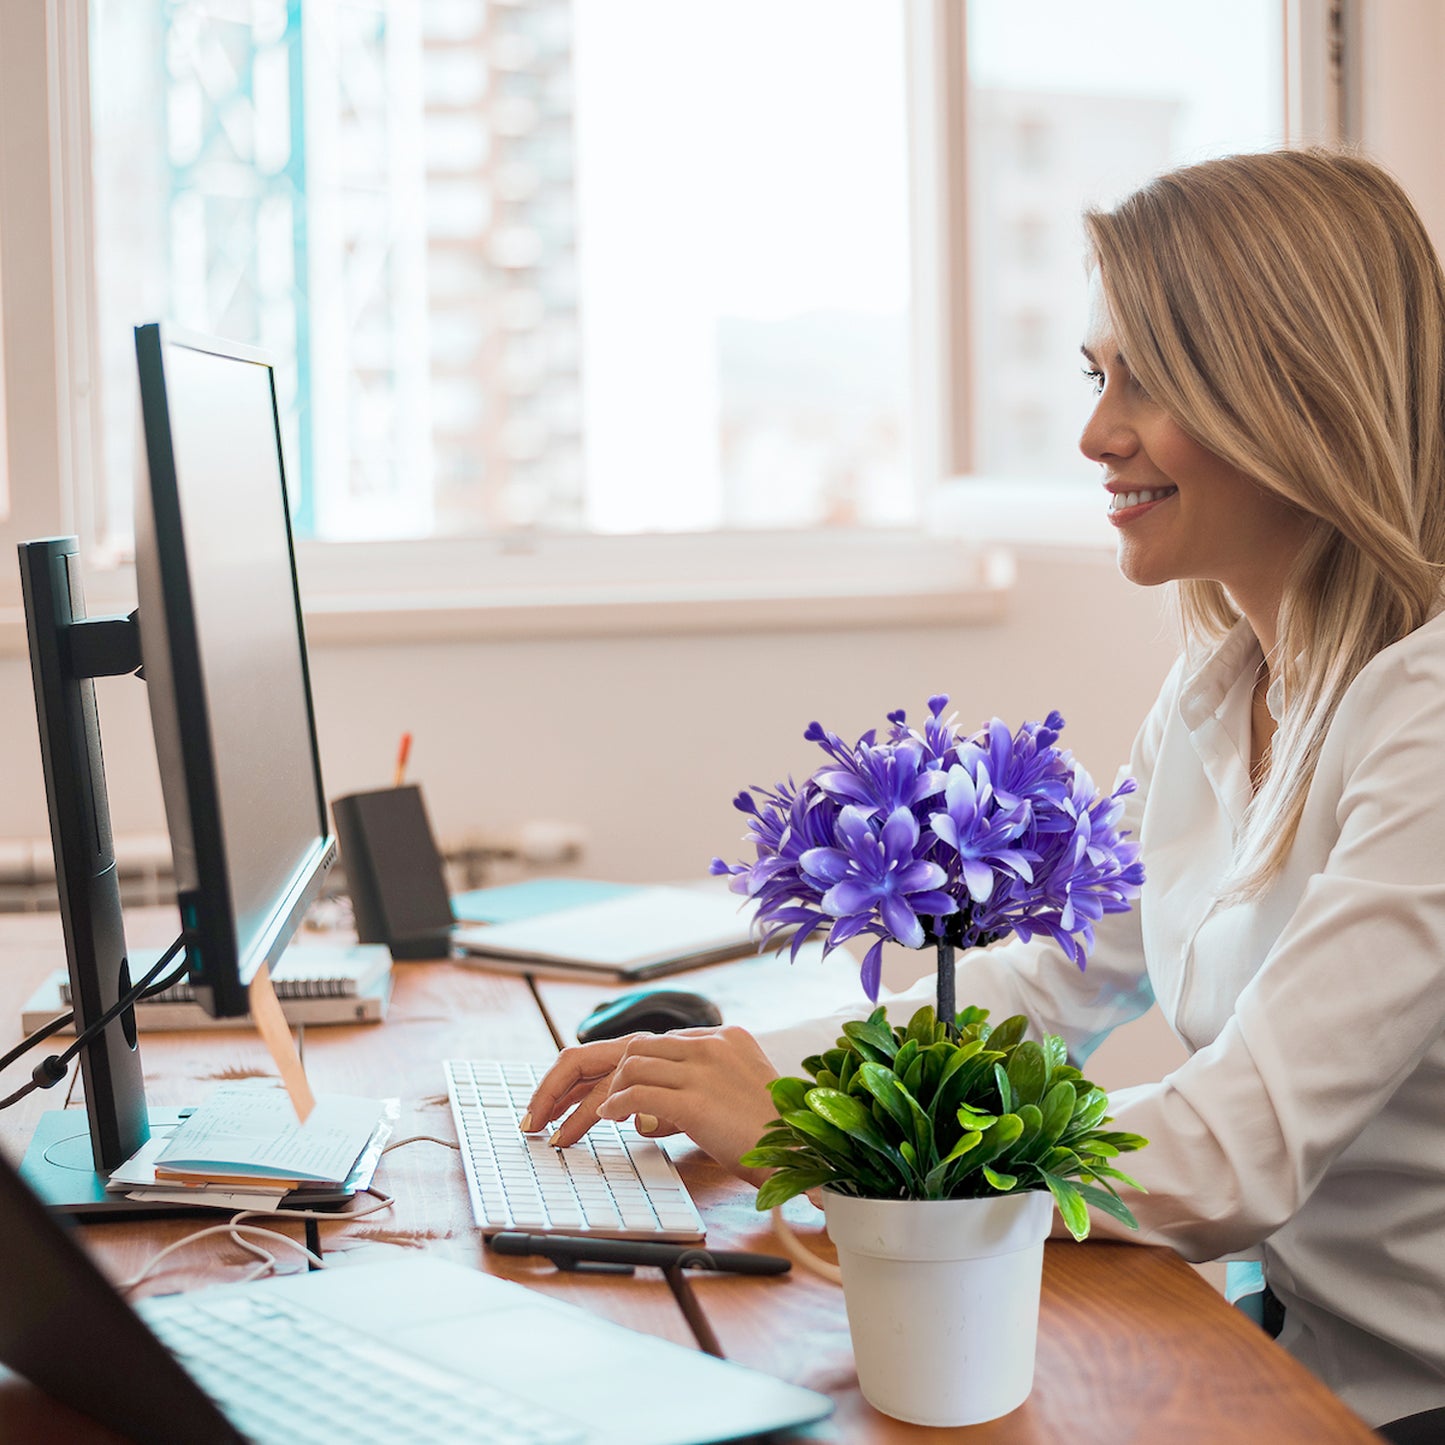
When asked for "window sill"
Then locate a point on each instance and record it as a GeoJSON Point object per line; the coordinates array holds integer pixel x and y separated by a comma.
{"type": "Point", "coordinates": [1024, 512]}
{"type": "Point", "coordinates": [455, 590]}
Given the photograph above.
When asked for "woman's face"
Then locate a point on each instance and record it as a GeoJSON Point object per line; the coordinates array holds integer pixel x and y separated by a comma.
{"type": "Point", "coordinates": [1179, 510]}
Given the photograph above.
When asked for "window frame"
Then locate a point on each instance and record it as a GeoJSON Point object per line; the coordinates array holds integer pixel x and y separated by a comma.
{"type": "Point", "coordinates": [946, 569]}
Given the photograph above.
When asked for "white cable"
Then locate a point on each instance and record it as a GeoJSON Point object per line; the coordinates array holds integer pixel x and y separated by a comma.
{"type": "Point", "coordinates": [236, 1227]}
{"type": "Point", "coordinates": [233, 1232]}
{"type": "Point", "coordinates": [421, 1139]}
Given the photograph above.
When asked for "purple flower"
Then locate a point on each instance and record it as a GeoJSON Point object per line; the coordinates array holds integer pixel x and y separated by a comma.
{"type": "Point", "coordinates": [876, 869]}
{"type": "Point", "coordinates": [933, 836]}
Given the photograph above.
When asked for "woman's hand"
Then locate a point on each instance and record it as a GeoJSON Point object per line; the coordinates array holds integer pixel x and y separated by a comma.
{"type": "Point", "coordinates": [710, 1084]}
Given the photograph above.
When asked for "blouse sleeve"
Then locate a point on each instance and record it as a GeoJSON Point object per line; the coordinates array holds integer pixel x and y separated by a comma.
{"type": "Point", "coordinates": [1342, 1011]}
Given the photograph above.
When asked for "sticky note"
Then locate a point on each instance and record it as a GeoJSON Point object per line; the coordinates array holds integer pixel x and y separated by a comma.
{"type": "Point", "coordinates": [276, 1033]}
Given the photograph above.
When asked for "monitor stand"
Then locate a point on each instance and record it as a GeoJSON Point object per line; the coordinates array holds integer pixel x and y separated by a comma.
{"type": "Point", "coordinates": [59, 1167]}
{"type": "Point", "coordinates": [74, 1150]}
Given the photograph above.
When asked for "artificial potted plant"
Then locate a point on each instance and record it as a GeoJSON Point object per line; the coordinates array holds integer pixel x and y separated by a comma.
{"type": "Point", "coordinates": [941, 1145]}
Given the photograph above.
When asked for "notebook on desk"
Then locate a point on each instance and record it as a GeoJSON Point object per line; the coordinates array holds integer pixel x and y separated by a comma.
{"type": "Point", "coordinates": [346, 1353]}
{"type": "Point", "coordinates": [635, 934]}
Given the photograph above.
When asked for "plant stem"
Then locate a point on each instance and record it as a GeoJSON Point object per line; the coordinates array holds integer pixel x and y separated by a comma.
{"type": "Point", "coordinates": [947, 1008]}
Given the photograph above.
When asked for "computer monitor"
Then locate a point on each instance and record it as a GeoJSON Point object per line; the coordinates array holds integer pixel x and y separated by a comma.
{"type": "Point", "coordinates": [219, 638]}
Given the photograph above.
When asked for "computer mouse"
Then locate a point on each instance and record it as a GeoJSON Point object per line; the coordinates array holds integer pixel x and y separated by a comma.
{"type": "Point", "coordinates": [653, 1011]}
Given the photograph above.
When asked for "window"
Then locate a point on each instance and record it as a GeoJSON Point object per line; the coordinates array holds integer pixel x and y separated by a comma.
{"type": "Point", "coordinates": [1071, 107]}
{"type": "Point", "coordinates": [548, 274]}
{"type": "Point", "coordinates": [607, 266]}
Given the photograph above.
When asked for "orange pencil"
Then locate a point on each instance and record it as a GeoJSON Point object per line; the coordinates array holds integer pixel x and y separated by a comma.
{"type": "Point", "coordinates": [403, 751]}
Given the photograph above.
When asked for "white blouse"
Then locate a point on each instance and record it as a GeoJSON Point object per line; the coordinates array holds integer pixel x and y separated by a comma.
{"type": "Point", "coordinates": [1308, 1125]}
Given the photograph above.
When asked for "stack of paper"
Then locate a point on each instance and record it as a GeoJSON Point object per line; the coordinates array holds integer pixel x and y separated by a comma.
{"type": "Point", "coordinates": [244, 1149]}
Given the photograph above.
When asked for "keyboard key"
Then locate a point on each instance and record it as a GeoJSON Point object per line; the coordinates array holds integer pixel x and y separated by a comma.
{"type": "Point", "coordinates": [612, 1182]}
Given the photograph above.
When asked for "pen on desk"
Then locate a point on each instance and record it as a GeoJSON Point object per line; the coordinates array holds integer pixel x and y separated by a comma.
{"type": "Point", "coordinates": [697, 1322]}
{"type": "Point", "coordinates": [403, 751]}
{"type": "Point", "coordinates": [571, 1251]}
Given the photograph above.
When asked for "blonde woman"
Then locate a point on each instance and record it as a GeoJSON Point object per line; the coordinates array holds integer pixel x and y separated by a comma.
{"type": "Point", "coordinates": [1267, 345]}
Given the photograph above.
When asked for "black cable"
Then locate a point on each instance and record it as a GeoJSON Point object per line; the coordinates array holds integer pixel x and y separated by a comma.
{"type": "Point", "coordinates": [52, 1069]}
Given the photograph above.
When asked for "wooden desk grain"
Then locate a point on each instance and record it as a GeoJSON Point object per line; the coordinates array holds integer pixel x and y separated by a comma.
{"type": "Point", "coordinates": [1134, 1346]}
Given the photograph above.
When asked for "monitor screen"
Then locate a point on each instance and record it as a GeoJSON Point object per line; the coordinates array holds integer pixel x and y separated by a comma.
{"type": "Point", "coordinates": [224, 654]}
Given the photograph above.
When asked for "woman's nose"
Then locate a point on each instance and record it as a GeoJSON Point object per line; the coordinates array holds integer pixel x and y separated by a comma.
{"type": "Point", "coordinates": [1107, 432]}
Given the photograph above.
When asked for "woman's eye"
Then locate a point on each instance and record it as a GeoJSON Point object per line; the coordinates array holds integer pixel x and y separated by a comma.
{"type": "Point", "coordinates": [1095, 380]}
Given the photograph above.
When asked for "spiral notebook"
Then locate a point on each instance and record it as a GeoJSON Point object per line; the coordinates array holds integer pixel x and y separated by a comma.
{"type": "Point", "coordinates": [317, 983]}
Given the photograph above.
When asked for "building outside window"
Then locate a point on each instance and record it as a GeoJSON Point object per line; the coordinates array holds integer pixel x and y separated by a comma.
{"type": "Point", "coordinates": [610, 267]}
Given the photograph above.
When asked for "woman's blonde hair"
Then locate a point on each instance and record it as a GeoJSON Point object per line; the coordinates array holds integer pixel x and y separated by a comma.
{"type": "Point", "coordinates": [1288, 310]}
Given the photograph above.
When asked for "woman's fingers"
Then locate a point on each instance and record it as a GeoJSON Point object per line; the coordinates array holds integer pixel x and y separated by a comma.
{"type": "Point", "coordinates": [711, 1084]}
{"type": "Point", "coordinates": [569, 1080]}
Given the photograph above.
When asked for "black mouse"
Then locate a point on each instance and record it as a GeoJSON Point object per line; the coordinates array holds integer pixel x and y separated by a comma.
{"type": "Point", "coordinates": [653, 1011]}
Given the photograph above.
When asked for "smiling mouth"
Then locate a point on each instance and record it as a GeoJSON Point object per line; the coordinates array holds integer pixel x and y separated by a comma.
{"type": "Point", "coordinates": [1124, 501]}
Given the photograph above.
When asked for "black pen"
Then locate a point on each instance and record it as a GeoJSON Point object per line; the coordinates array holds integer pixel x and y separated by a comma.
{"type": "Point", "coordinates": [572, 1251]}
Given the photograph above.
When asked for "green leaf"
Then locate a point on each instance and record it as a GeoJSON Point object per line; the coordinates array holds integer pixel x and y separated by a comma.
{"type": "Point", "coordinates": [1008, 1033]}
{"type": "Point", "coordinates": [848, 1114]}
{"type": "Point", "coordinates": [1056, 1053]}
{"type": "Point", "coordinates": [1071, 1205]}
{"type": "Point", "coordinates": [971, 1016]}
{"type": "Point", "coordinates": [970, 1141]}
{"type": "Point", "coordinates": [1002, 1182]}
{"type": "Point", "coordinates": [1063, 1162]}
{"type": "Point", "coordinates": [873, 1039]}
{"type": "Point", "coordinates": [903, 1059]}
{"type": "Point", "coordinates": [935, 1183]}
{"type": "Point", "coordinates": [787, 1094]}
{"type": "Point", "coordinates": [971, 1118]}
{"type": "Point", "coordinates": [771, 1156]}
{"type": "Point", "coordinates": [1125, 1143]}
{"type": "Point", "coordinates": [881, 1083]}
{"type": "Point", "coordinates": [778, 1188]}
{"type": "Point", "coordinates": [1109, 1203]}
{"type": "Point", "coordinates": [935, 1061]}
{"type": "Point", "coordinates": [1058, 1110]}
{"type": "Point", "coordinates": [957, 1081]}
{"type": "Point", "coordinates": [819, 1131]}
{"type": "Point", "coordinates": [1005, 1089]}
{"type": "Point", "coordinates": [1104, 1171]}
{"type": "Point", "coordinates": [1090, 1109]}
{"type": "Point", "coordinates": [1032, 1143]}
{"type": "Point", "coordinates": [827, 1079]}
{"type": "Point", "coordinates": [998, 1139]}
{"type": "Point", "coordinates": [920, 1026]}
{"type": "Point", "coordinates": [1028, 1072]}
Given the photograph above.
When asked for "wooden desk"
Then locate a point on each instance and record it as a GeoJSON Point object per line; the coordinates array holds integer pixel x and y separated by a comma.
{"type": "Point", "coordinates": [1134, 1345]}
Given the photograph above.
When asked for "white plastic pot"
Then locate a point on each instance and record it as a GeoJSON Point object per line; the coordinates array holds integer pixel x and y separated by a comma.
{"type": "Point", "coordinates": [943, 1301]}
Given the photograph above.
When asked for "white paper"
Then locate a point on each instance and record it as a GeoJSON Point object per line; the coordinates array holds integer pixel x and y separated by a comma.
{"type": "Point", "coordinates": [249, 1128]}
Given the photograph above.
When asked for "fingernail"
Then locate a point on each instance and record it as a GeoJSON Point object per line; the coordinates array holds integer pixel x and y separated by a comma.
{"type": "Point", "coordinates": [646, 1123]}
{"type": "Point", "coordinates": [525, 1123]}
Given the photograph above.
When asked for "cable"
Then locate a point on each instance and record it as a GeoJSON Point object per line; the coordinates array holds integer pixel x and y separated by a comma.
{"type": "Point", "coordinates": [52, 1069]}
{"type": "Point", "coordinates": [237, 1231]}
{"type": "Point", "coordinates": [421, 1139]}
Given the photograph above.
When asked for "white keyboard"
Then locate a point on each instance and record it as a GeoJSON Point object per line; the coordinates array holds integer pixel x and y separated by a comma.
{"type": "Point", "coordinates": [613, 1183]}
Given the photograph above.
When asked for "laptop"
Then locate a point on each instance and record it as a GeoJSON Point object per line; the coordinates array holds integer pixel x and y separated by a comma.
{"type": "Point", "coordinates": [413, 1348]}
